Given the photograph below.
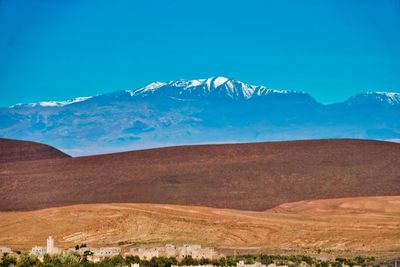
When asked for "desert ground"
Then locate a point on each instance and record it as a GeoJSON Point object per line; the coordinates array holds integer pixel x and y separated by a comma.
{"type": "Point", "coordinates": [315, 197]}
{"type": "Point", "coordinates": [255, 176]}
{"type": "Point", "coordinates": [346, 226]}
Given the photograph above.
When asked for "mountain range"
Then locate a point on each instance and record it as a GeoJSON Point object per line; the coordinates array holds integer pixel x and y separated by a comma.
{"type": "Point", "coordinates": [213, 110]}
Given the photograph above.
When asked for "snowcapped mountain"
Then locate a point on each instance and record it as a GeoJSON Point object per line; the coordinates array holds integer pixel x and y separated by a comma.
{"type": "Point", "coordinates": [52, 103]}
{"type": "Point", "coordinates": [217, 87]}
{"type": "Point", "coordinates": [213, 110]}
{"type": "Point", "coordinates": [385, 98]}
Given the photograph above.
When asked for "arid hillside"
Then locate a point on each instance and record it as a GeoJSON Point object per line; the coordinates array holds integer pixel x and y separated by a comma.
{"type": "Point", "coordinates": [255, 176]}
{"type": "Point", "coordinates": [335, 227]}
{"type": "Point", "coordinates": [16, 150]}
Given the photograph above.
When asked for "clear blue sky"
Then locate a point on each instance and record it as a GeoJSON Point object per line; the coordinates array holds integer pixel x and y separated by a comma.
{"type": "Point", "coordinates": [55, 50]}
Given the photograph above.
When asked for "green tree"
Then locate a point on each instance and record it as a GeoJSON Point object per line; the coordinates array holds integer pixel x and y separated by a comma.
{"type": "Point", "coordinates": [26, 260]}
{"type": "Point", "coordinates": [8, 260]}
{"type": "Point", "coordinates": [222, 262]}
{"type": "Point", "coordinates": [61, 260]}
{"type": "Point", "coordinates": [188, 260]}
{"type": "Point", "coordinates": [204, 261]}
{"type": "Point", "coordinates": [129, 259]}
{"type": "Point", "coordinates": [118, 261]}
{"type": "Point", "coordinates": [265, 259]}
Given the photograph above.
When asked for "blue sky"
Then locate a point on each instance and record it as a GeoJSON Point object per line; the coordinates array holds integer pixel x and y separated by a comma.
{"type": "Point", "coordinates": [55, 50]}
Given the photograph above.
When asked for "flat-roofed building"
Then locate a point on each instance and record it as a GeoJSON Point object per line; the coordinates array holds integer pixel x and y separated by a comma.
{"type": "Point", "coordinates": [39, 251]}
{"type": "Point", "coordinates": [105, 251]}
{"type": "Point", "coordinates": [170, 251]}
{"type": "Point", "coordinates": [194, 251]}
{"type": "Point", "coordinates": [146, 253]}
{"type": "Point", "coordinates": [5, 250]}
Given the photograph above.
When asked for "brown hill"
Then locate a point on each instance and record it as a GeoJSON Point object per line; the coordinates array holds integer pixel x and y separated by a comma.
{"type": "Point", "coordinates": [254, 176]}
{"type": "Point", "coordinates": [336, 226]}
{"type": "Point", "coordinates": [16, 150]}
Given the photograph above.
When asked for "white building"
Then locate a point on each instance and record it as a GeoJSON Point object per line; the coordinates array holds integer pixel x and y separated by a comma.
{"type": "Point", "coordinates": [207, 253]}
{"type": "Point", "coordinates": [170, 251]}
{"type": "Point", "coordinates": [38, 251]}
{"type": "Point", "coordinates": [145, 253]}
{"type": "Point", "coordinates": [239, 264]}
{"type": "Point", "coordinates": [105, 252]}
{"type": "Point", "coordinates": [49, 249]}
{"type": "Point", "coordinates": [188, 250]}
{"type": "Point", "coordinates": [98, 253]}
{"type": "Point", "coordinates": [5, 250]}
{"type": "Point", "coordinates": [256, 264]}
{"type": "Point", "coordinates": [50, 245]}
{"type": "Point", "coordinates": [195, 251]}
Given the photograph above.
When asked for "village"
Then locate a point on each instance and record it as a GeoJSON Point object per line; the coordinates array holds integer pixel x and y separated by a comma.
{"type": "Point", "coordinates": [189, 255]}
{"type": "Point", "coordinates": [95, 254]}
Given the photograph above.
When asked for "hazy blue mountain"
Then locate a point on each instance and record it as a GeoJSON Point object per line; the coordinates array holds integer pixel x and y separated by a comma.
{"type": "Point", "coordinates": [213, 110]}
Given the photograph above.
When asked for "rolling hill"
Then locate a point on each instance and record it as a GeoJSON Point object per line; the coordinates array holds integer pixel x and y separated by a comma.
{"type": "Point", "coordinates": [337, 227]}
{"type": "Point", "coordinates": [255, 176]}
{"type": "Point", "coordinates": [16, 150]}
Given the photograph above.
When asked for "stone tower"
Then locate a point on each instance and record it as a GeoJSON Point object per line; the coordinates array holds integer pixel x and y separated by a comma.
{"type": "Point", "coordinates": [50, 245]}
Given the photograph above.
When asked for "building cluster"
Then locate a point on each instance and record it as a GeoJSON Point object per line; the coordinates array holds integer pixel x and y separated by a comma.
{"type": "Point", "coordinates": [49, 249]}
{"type": "Point", "coordinates": [239, 264]}
{"type": "Point", "coordinates": [98, 254]}
{"type": "Point", "coordinates": [4, 250]}
{"type": "Point", "coordinates": [195, 251]}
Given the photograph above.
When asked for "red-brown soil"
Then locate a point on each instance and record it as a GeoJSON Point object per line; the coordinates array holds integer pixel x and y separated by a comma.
{"type": "Point", "coordinates": [253, 176]}
{"type": "Point", "coordinates": [15, 150]}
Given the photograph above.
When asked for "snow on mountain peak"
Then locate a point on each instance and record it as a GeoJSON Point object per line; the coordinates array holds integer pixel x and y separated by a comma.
{"type": "Point", "coordinates": [390, 98]}
{"type": "Point", "coordinates": [53, 103]}
{"type": "Point", "coordinates": [149, 87]}
{"type": "Point", "coordinates": [216, 86]}
{"type": "Point", "coordinates": [216, 82]}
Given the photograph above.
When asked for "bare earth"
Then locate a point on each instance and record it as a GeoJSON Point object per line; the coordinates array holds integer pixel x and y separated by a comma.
{"type": "Point", "coordinates": [348, 226]}
{"type": "Point", "coordinates": [256, 176]}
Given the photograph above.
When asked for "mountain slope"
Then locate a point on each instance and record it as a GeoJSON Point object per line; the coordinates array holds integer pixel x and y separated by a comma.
{"type": "Point", "coordinates": [182, 112]}
{"type": "Point", "coordinates": [16, 150]}
{"type": "Point", "coordinates": [254, 176]}
{"type": "Point", "coordinates": [376, 98]}
{"type": "Point", "coordinates": [295, 228]}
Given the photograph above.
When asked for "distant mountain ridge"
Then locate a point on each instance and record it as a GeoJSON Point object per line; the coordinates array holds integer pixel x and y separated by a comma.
{"type": "Point", "coordinates": [213, 110]}
{"type": "Point", "coordinates": [219, 87]}
{"type": "Point", "coordinates": [390, 98]}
